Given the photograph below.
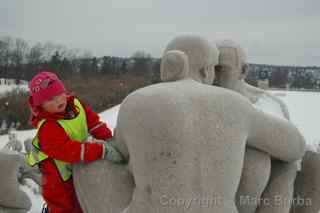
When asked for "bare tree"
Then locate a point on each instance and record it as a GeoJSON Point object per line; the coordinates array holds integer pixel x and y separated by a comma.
{"type": "Point", "coordinates": [36, 54]}
{"type": "Point", "coordinates": [19, 51]}
{"type": "Point", "coordinates": [142, 62]}
{"type": "Point", "coordinates": [141, 54]}
{"type": "Point", "coordinates": [5, 52]}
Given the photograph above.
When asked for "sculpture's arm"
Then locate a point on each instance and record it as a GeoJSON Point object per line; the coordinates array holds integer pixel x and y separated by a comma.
{"type": "Point", "coordinates": [283, 106]}
{"type": "Point", "coordinates": [276, 136]}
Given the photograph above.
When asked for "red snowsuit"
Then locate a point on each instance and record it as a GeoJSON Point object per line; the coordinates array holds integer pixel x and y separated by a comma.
{"type": "Point", "coordinates": [54, 141]}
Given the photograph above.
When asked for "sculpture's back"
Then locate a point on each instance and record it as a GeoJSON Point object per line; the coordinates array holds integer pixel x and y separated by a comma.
{"type": "Point", "coordinates": [185, 139]}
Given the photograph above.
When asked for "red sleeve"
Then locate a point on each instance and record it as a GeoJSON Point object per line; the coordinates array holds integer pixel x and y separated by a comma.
{"type": "Point", "coordinates": [97, 128]}
{"type": "Point", "coordinates": [55, 143]}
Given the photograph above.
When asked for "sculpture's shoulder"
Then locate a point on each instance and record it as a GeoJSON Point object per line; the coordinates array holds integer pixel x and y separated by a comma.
{"type": "Point", "coordinates": [253, 89]}
{"type": "Point", "coordinates": [155, 97]}
{"type": "Point", "coordinates": [186, 96]}
{"type": "Point", "coordinates": [231, 99]}
{"type": "Point", "coordinates": [253, 93]}
{"type": "Point", "coordinates": [283, 107]}
{"type": "Point", "coordinates": [258, 94]}
{"type": "Point", "coordinates": [185, 90]}
{"type": "Point", "coordinates": [9, 160]}
{"type": "Point", "coordinates": [155, 92]}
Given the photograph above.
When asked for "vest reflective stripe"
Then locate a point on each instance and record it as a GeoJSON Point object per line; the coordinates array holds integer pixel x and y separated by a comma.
{"type": "Point", "coordinates": [75, 128]}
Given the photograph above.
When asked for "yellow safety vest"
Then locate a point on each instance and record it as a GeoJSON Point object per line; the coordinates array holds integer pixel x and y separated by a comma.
{"type": "Point", "coordinates": [75, 128]}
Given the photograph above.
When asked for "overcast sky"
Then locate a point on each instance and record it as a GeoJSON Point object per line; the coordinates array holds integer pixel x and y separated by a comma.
{"type": "Point", "coordinates": [271, 31]}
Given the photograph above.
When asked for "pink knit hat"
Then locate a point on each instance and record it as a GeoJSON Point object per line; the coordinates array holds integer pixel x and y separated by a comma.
{"type": "Point", "coordinates": [44, 86]}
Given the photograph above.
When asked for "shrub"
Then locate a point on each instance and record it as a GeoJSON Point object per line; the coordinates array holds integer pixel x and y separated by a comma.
{"type": "Point", "coordinates": [14, 109]}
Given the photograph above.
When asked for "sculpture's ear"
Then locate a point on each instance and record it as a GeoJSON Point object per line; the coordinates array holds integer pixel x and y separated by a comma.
{"type": "Point", "coordinates": [174, 66]}
{"type": "Point", "coordinates": [244, 71]}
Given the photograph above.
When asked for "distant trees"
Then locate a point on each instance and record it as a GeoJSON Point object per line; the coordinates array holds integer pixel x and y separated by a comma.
{"type": "Point", "coordinates": [285, 76]}
{"type": "Point", "coordinates": [304, 80]}
{"type": "Point", "coordinates": [19, 60]}
{"type": "Point", "coordinates": [141, 54]}
{"type": "Point", "coordinates": [278, 79]}
{"type": "Point", "coordinates": [142, 62]}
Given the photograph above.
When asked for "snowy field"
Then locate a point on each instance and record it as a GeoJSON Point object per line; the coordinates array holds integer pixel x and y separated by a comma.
{"type": "Point", "coordinates": [303, 108]}
{"type": "Point", "coordinates": [304, 112]}
{"type": "Point", "coordinates": [8, 88]}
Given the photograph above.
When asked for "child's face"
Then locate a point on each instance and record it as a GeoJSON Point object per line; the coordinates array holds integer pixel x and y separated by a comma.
{"type": "Point", "coordinates": [55, 104]}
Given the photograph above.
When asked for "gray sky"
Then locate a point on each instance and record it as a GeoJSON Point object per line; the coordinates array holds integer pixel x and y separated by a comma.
{"type": "Point", "coordinates": [271, 31]}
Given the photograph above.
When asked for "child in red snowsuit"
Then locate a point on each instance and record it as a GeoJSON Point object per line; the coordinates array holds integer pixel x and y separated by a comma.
{"type": "Point", "coordinates": [49, 100]}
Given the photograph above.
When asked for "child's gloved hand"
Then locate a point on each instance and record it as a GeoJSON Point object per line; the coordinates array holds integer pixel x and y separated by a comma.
{"type": "Point", "coordinates": [112, 154]}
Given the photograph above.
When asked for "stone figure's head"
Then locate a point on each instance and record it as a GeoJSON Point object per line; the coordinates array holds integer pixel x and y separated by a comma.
{"type": "Point", "coordinates": [232, 66]}
{"type": "Point", "coordinates": [12, 136]}
{"type": "Point", "coordinates": [201, 56]}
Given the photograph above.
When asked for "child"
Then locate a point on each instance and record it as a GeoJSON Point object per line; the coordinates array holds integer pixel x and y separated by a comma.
{"type": "Point", "coordinates": [64, 123]}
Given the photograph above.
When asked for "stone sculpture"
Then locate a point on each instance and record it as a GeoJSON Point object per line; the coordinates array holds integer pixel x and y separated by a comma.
{"type": "Point", "coordinates": [13, 143]}
{"type": "Point", "coordinates": [185, 139]}
{"type": "Point", "coordinates": [12, 199]}
{"type": "Point", "coordinates": [279, 191]}
{"type": "Point", "coordinates": [232, 72]}
{"type": "Point", "coordinates": [235, 70]}
{"type": "Point", "coordinates": [103, 186]}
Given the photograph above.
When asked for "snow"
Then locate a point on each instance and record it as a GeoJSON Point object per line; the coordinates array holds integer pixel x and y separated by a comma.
{"type": "Point", "coordinates": [110, 116]}
{"type": "Point", "coordinates": [303, 107]}
{"type": "Point", "coordinates": [8, 88]}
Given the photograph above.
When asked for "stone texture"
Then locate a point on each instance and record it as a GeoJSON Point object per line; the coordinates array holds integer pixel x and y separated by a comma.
{"type": "Point", "coordinates": [278, 194]}
{"type": "Point", "coordinates": [103, 187]}
{"type": "Point", "coordinates": [254, 179]}
{"type": "Point", "coordinates": [188, 141]}
{"type": "Point", "coordinates": [11, 196]}
{"type": "Point", "coordinates": [307, 187]}
{"type": "Point", "coordinates": [9, 210]}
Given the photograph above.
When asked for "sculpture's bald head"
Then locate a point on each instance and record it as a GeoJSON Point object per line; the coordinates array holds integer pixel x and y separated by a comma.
{"type": "Point", "coordinates": [232, 64]}
{"type": "Point", "coordinates": [202, 57]}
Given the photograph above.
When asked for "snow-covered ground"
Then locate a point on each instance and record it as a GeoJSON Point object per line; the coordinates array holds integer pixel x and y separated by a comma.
{"type": "Point", "coordinates": [304, 112]}
{"type": "Point", "coordinates": [303, 108]}
{"type": "Point", "coordinates": [8, 88]}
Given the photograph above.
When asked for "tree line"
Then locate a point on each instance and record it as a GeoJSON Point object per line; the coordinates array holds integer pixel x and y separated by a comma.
{"type": "Point", "coordinates": [289, 77]}
{"type": "Point", "coordinates": [20, 60]}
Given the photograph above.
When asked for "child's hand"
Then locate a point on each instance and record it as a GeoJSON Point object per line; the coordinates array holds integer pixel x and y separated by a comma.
{"type": "Point", "coordinates": [112, 154]}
